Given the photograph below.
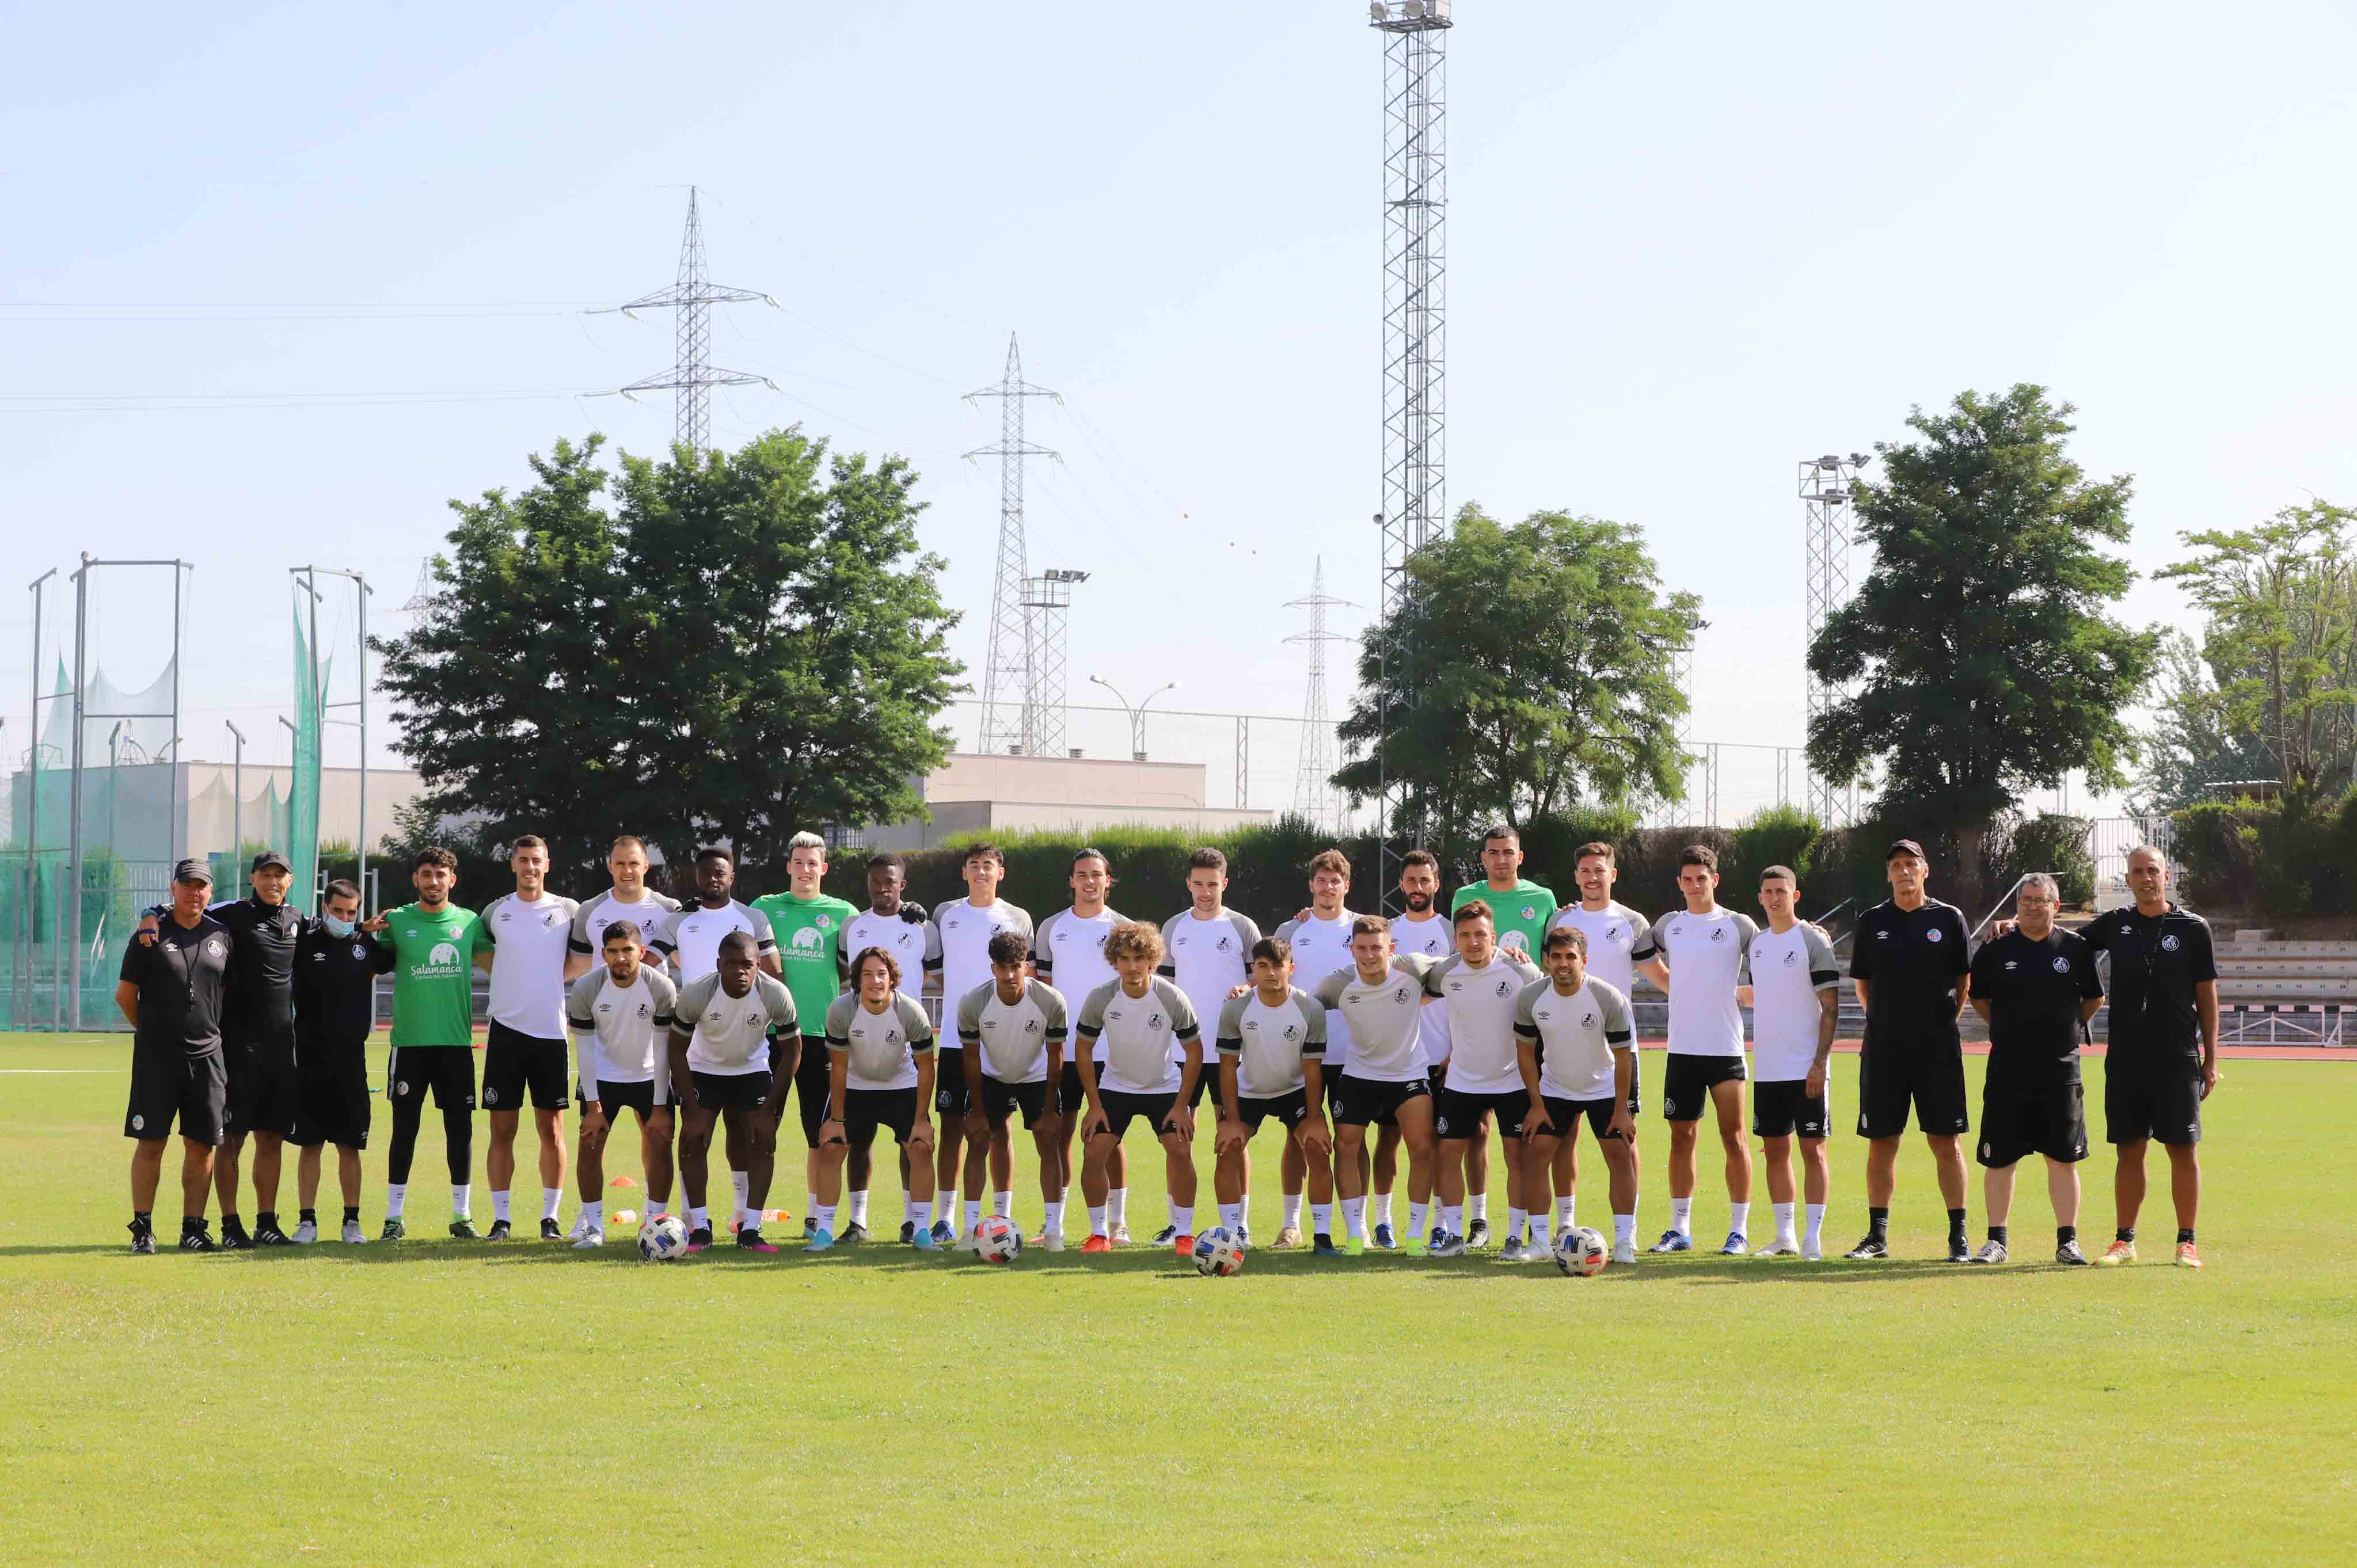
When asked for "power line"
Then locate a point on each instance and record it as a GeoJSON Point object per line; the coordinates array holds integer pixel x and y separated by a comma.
{"type": "Point", "coordinates": [167, 403]}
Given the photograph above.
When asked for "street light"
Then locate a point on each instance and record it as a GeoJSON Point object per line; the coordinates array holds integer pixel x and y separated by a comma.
{"type": "Point", "coordinates": [1136, 714]}
{"type": "Point", "coordinates": [237, 795]}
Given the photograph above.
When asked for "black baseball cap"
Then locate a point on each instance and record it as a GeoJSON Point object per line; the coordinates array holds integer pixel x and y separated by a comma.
{"type": "Point", "coordinates": [193, 871]}
{"type": "Point", "coordinates": [1904, 846]}
{"type": "Point", "coordinates": [270, 857]}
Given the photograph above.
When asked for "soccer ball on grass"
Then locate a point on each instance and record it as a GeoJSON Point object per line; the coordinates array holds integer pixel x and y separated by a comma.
{"type": "Point", "coordinates": [1218, 1252]}
{"type": "Point", "coordinates": [663, 1239]}
{"type": "Point", "coordinates": [997, 1241]}
{"type": "Point", "coordinates": [1581, 1252]}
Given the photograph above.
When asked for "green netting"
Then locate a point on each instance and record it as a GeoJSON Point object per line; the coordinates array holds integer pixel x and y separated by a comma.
{"type": "Point", "coordinates": [303, 826]}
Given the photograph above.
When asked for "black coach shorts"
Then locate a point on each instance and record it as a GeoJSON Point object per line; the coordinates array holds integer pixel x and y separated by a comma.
{"type": "Point", "coordinates": [950, 1096]}
{"type": "Point", "coordinates": [1566, 1115]}
{"type": "Point", "coordinates": [2161, 1100]}
{"type": "Point", "coordinates": [265, 1089]}
{"type": "Point", "coordinates": [1367, 1101]}
{"type": "Point", "coordinates": [2017, 1120]}
{"type": "Point", "coordinates": [335, 1106]}
{"type": "Point", "coordinates": [1687, 1080]}
{"type": "Point", "coordinates": [1783, 1108]}
{"type": "Point", "coordinates": [999, 1101]}
{"type": "Point", "coordinates": [1927, 1075]}
{"type": "Point", "coordinates": [447, 1070]}
{"type": "Point", "coordinates": [731, 1091]}
{"type": "Point", "coordinates": [867, 1109]}
{"type": "Point", "coordinates": [613, 1098]}
{"type": "Point", "coordinates": [515, 1063]}
{"type": "Point", "coordinates": [1119, 1108]}
{"type": "Point", "coordinates": [813, 1081]}
{"type": "Point", "coordinates": [1290, 1109]}
{"type": "Point", "coordinates": [168, 1083]}
{"type": "Point", "coordinates": [1457, 1113]}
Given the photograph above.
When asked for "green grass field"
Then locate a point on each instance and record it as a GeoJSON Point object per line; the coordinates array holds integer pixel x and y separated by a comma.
{"type": "Point", "coordinates": [446, 1402]}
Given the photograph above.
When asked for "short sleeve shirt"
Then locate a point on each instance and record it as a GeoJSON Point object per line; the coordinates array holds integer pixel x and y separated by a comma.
{"type": "Point", "coordinates": [1384, 1018]}
{"type": "Point", "coordinates": [335, 996]}
{"type": "Point", "coordinates": [1525, 913]}
{"type": "Point", "coordinates": [1069, 950]}
{"type": "Point", "coordinates": [1910, 959]}
{"type": "Point", "coordinates": [1012, 1037]}
{"type": "Point", "coordinates": [433, 974]}
{"type": "Point", "coordinates": [651, 912]}
{"type": "Point", "coordinates": [882, 1047]}
{"type": "Point", "coordinates": [1577, 1034]}
{"type": "Point", "coordinates": [183, 980]}
{"type": "Point", "coordinates": [1618, 940]}
{"type": "Point", "coordinates": [1435, 939]}
{"type": "Point", "coordinates": [1269, 1043]}
{"type": "Point", "coordinates": [1478, 1004]}
{"type": "Point", "coordinates": [809, 934]}
{"type": "Point", "coordinates": [622, 1033]}
{"type": "Point", "coordinates": [2157, 961]}
{"type": "Point", "coordinates": [529, 942]}
{"type": "Point", "coordinates": [1321, 948]}
{"type": "Point", "coordinates": [958, 941]}
{"type": "Point", "coordinates": [1788, 972]}
{"type": "Point", "coordinates": [1208, 959]}
{"type": "Point", "coordinates": [2034, 990]}
{"type": "Point", "coordinates": [692, 935]}
{"type": "Point", "coordinates": [1132, 1035]}
{"type": "Point", "coordinates": [732, 1032]}
{"type": "Point", "coordinates": [260, 1004]}
{"type": "Point", "coordinates": [904, 940]}
{"type": "Point", "coordinates": [1705, 955]}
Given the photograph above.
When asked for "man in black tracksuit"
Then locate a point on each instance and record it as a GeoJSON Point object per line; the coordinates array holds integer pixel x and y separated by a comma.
{"type": "Point", "coordinates": [336, 968]}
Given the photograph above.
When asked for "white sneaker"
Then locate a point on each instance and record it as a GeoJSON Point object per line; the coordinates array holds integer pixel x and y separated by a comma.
{"type": "Point", "coordinates": [581, 1228]}
{"type": "Point", "coordinates": [1782, 1246]}
{"type": "Point", "coordinates": [1812, 1250]}
{"type": "Point", "coordinates": [307, 1234]}
{"type": "Point", "coordinates": [1121, 1235]}
{"type": "Point", "coordinates": [1624, 1251]}
{"type": "Point", "coordinates": [1051, 1241]}
{"type": "Point", "coordinates": [354, 1235]}
{"type": "Point", "coordinates": [589, 1239]}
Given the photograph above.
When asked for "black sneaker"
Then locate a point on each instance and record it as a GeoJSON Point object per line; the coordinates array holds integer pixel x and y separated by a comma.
{"type": "Point", "coordinates": [907, 1231]}
{"type": "Point", "coordinates": [197, 1241]}
{"type": "Point", "coordinates": [464, 1228]}
{"type": "Point", "coordinates": [699, 1238]}
{"type": "Point", "coordinates": [267, 1234]}
{"type": "Point", "coordinates": [1959, 1251]}
{"type": "Point", "coordinates": [143, 1240]}
{"type": "Point", "coordinates": [551, 1231]}
{"type": "Point", "coordinates": [852, 1233]}
{"type": "Point", "coordinates": [394, 1231]}
{"type": "Point", "coordinates": [1872, 1247]}
{"type": "Point", "coordinates": [1478, 1233]}
{"type": "Point", "coordinates": [500, 1231]}
{"type": "Point", "coordinates": [1168, 1234]}
{"type": "Point", "coordinates": [810, 1225]}
{"type": "Point", "coordinates": [233, 1238]}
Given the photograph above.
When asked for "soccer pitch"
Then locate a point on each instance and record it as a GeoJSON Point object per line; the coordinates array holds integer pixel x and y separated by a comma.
{"type": "Point", "coordinates": [447, 1402]}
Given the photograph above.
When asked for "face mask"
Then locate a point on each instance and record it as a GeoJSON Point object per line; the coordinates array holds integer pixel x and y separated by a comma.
{"type": "Point", "coordinates": [338, 928]}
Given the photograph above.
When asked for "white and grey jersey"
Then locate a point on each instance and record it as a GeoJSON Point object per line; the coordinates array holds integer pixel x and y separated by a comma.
{"type": "Point", "coordinates": [621, 1034]}
{"type": "Point", "coordinates": [957, 941]}
{"type": "Point", "coordinates": [1268, 1043]}
{"type": "Point", "coordinates": [1436, 938]}
{"type": "Point", "coordinates": [528, 943]}
{"type": "Point", "coordinates": [1012, 1038]}
{"type": "Point", "coordinates": [1132, 1035]}
{"type": "Point", "coordinates": [883, 1046]}
{"type": "Point", "coordinates": [1705, 955]}
{"type": "Point", "coordinates": [904, 940]}
{"type": "Point", "coordinates": [1474, 1024]}
{"type": "Point", "coordinates": [692, 936]}
{"type": "Point", "coordinates": [1385, 1017]}
{"type": "Point", "coordinates": [1618, 940]}
{"type": "Point", "coordinates": [1322, 947]}
{"type": "Point", "coordinates": [732, 1033]}
{"type": "Point", "coordinates": [1790, 971]}
{"type": "Point", "coordinates": [1208, 959]}
{"type": "Point", "coordinates": [1576, 1036]}
{"type": "Point", "coordinates": [1068, 949]}
{"type": "Point", "coordinates": [651, 912]}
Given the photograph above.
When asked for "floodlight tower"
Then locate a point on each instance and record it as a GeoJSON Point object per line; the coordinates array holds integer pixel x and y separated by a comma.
{"type": "Point", "coordinates": [691, 300]}
{"type": "Point", "coordinates": [1313, 790]}
{"type": "Point", "coordinates": [1826, 488]}
{"type": "Point", "coordinates": [1006, 716]}
{"type": "Point", "coordinates": [1415, 204]}
{"type": "Point", "coordinates": [1045, 598]}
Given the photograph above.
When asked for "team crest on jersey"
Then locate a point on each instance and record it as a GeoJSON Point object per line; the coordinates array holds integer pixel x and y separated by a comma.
{"type": "Point", "coordinates": [1225, 943]}
{"type": "Point", "coordinates": [1719, 935]}
{"type": "Point", "coordinates": [1030, 1026]}
{"type": "Point", "coordinates": [1933, 935]}
{"type": "Point", "coordinates": [490, 1095]}
{"type": "Point", "coordinates": [551, 917]}
{"type": "Point", "coordinates": [1401, 995]}
{"type": "Point", "coordinates": [823, 921]}
{"type": "Point", "coordinates": [1154, 1020]}
{"type": "Point", "coordinates": [1611, 933]}
{"type": "Point", "coordinates": [1505, 988]}
{"type": "Point", "coordinates": [1588, 1020]}
{"type": "Point", "coordinates": [360, 950]}
{"type": "Point", "coordinates": [2168, 944]}
{"type": "Point", "coordinates": [1792, 959]}
{"type": "Point", "coordinates": [1290, 1030]}
{"type": "Point", "coordinates": [215, 948]}
{"type": "Point", "coordinates": [2061, 965]}
{"type": "Point", "coordinates": [1530, 912]}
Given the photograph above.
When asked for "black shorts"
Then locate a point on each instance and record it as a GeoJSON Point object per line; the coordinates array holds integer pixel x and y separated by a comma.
{"type": "Point", "coordinates": [447, 1070]}
{"type": "Point", "coordinates": [730, 1090]}
{"type": "Point", "coordinates": [1207, 1083]}
{"type": "Point", "coordinates": [950, 1096]}
{"type": "Point", "coordinates": [1070, 1096]}
{"type": "Point", "coordinates": [1436, 1075]}
{"type": "Point", "coordinates": [2017, 1120]}
{"type": "Point", "coordinates": [265, 1088]}
{"type": "Point", "coordinates": [999, 1101]}
{"type": "Point", "coordinates": [1333, 1075]}
{"type": "Point", "coordinates": [1457, 1113]}
{"type": "Point", "coordinates": [1363, 1102]}
{"type": "Point", "coordinates": [168, 1083]}
{"type": "Point", "coordinates": [1636, 1083]}
{"type": "Point", "coordinates": [1160, 1109]}
{"type": "Point", "coordinates": [335, 1106]}
{"type": "Point", "coordinates": [1687, 1080]}
{"type": "Point", "coordinates": [515, 1063]}
{"type": "Point", "coordinates": [1927, 1075]}
{"type": "Point", "coordinates": [866, 1110]}
{"type": "Point", "coordinates": [2161, 1100]}
{"type": "Point", "coordinates": [813, 1081]}
{"type": "Point", "coordinates": [1783, 1108]}
{"type": "Point", "coordinates": [1566, 1115]}
{"type": "Point", "coordinates": [1292, 1110]}
{"type": "Point", "coordinates": [613, 1098]}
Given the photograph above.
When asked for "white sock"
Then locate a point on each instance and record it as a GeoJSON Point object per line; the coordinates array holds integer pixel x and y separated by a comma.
{"type": "Point", "coordinates": [550, 1197]}
{"type": "Point", "coordinates": [1096, 1220]}
{"type": "Point", "coordinates": [1416, 1215]}
{"type": "Point", "coordinates": [460, 1205]}
{"type": "Point", "coordinates": [1816, 1221]}
{"type": "Point", "coordinates": [810, 1205]}
{"type": "Point", "coordinates": [742, 1184]}
{"type": "Point", "coordinates": [1382, 1209]}
{"type": "Point", "coordinates": [1182, 1220]}
{"type": "Point", "coordinates": [1739, 1219]}
{"type": "Point", "coordinates": [920, 1215]}
{"type": "Point", "coordinates": [1003, 1205]}
{"type": "Point", "coordinates": [500, 1205]}
{"type": "Point", "coordinates": [973, 1216]}
{"type": "Point", "coordinates": [1322, 1216]}
{"type": "Point", "coordinates": [1566, 1212]}
{"type": "Point", "coordinates": [1232, 1215]}
{"type": "Point", "coordinates": [1476, 1204]}
{"type": "Point", "coordinates": [593, 1214]}
{"type": "Point", "coordinates": [1539, 1231]}
{"type": "Point", "coordinates": [1354, 1217]}
{"type": "Point", "coordinates": [1624, 1229]}
{"type": "Point", "coordinates": [1452, 1218]}
{"type": "Point", "coordinates": [908, 1210]}
{"type": "Point", "coordinates": [396, 1194]}
{"type": "Point", "coordinates": [1117, 1206]}
{"type": "Point", "coordinates": [1243, 1207]}
{"type": "Point", "coordinates": [859, 1206]}
{"type": "Point", "coordinates": [823, 1215]}
{"type": "Point", "coordinates": [1054, 1224]}
{"type": "Point", "coordinates": [1292, 1211]}
{"type": "Point", "coordinates": [1783, 1222]}
{"type": "Point", "coordinates": [1681, 1215]}
{"type": "Point", "coordinates": [1515, 1219]}
{"type": "Point", "coordinates": [658, 1207]}
{"type": "Point", "coordinates": [699, 1218]}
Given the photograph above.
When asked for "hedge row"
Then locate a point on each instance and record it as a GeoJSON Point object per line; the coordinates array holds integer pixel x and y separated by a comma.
{"type": "Point", "coordinates": [2276, 858]}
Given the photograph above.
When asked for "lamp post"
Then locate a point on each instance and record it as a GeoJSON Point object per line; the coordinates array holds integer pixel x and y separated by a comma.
{"type": "Point", "coordinates": [236, 796]}
{"type": "Point", "coordinates": [1136, 714]}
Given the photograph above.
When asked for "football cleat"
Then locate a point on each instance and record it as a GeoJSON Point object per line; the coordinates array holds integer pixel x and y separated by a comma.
{"type": "Point", "coordinates": [1624, 1251]}
{"type": "Point", "coordinates": [1384, 1239]}
{"type": "Point", "coordinates": [1778, 1247]}
{"type": "Point", "coordinates": [1121, 1235]}
{"type": "Point", "coordinates": [1243, 1235]}
{"type": "Point", "coordinates": [852, 1234]}
{"type": "Point", "coordinates": [1355, 1246]}
{"type": "Point", "coordinates": [394, 1231]}
{"type": "Point", "coordinates": [699, 1238]}
{"type": "Point", "coordinates": [1325, 1247]}
{"type": "Point", "coordinates": [1184, 1246]}
{"type": "Point", "coordinates": [1048, 1241]}
{"type": "Point", "coordinates": [1514, 1251]}
{"type": "Point", "coordinates": [267, 1234]}
{"type": "Point", "coordinates": [143, 1240]}
{"type": "Point", "coordinates": [463, 1227]}
{"type": "Point", "coordinates": [810, 1227]}
{"type": "Point", "coordinates": [1444, 1245]}
{"type": "Point", "coordinates": [922, 1240]}
{"type": "Point", "coordinates": [1164, 1236]}
{"type": "Point", "coordinates": [821, 1241]}
{"type": "Point", "coordinates": [592, 1238]}
{"type": "Point", "coordinates": [907, 1233]}
{"type": "Point", "coordinates": [1672, 1241]}
{"type": "Point", "coordinates": [500, 1231]}
{"type": "Point", "coordinates": [550, 1232]}
{"type": "Point", "coordinates": [1990, 1252]}
{"type": "Point", "coordinates": [354, 1235]}
{"type": "Point", "coordinates": [749, 1240]}
{"type": "Point", "coordinates": [1812, 1250]}
{"type": "Point", "coordinates": [1287, 1238]}
{"type": "Point", "coordinates": [580, 1226]}
{"type": "Point", "coordinates": [307, 1234]}
{"type": "Point", "coordinates": [2118, 1253]}
{"type": "Point", "coordinates": [1873, 1247]}
{"type": "Point", "coordinates": [2069, 1252]}
{"type": "Point", "coordinates": [197, 1241]}
{"type": "Point", "coordinates": [942, 1234]}
{"type": "Point", "coordinates": [1097, 1243]}
{"type": "Point", "coordinates": [1736, 1245]}
{"type": "Point", "coordinates": [1478, 1233]}
{"type": "Point", "coordinates": [233, 1238]}
{"type": "Point", "coordinates": [1958, 1251]}
{"type": "Point", "coordinates": [2186, 1258]}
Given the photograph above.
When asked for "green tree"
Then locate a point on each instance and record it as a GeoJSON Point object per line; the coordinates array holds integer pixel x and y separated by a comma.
{"type": "Point", "coordinates": [2189, 747]}
{"type": "Point", "coordinates": [1534, 676]}
{"type": "Point", "coordinates": [2281, 645]}
{"type": "Point", "coordinates": [1977, 657]}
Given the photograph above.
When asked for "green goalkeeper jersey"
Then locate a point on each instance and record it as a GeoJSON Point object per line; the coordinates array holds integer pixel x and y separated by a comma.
{"type": "Point", "coordinates": [433, 974]}
{"type": "Point", "coordinates": [809, 933]}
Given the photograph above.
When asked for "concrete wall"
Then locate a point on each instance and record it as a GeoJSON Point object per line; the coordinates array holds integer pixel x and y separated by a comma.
{"type": "Point", "coordinates": [1091, 781]}
{"type": "Point", "coordinates": [1017, 816]}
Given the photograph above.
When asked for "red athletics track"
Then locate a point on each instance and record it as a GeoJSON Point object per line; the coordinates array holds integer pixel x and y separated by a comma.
{"type": "Point", "coordinates": [2225, 1053]}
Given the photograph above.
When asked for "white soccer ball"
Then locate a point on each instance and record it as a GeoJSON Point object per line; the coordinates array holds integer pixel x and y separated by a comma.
{"type": "Point", "coordinates": [998, 1240]}
{"type": "Point", "coordinates": [663, 1239]}
{"type": "Point", "coordinates": [1582, 1252]}
{"type": "Point", "coordinates": [1218, 1252]}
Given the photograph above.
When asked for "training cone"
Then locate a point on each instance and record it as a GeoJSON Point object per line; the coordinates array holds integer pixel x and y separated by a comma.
{"type": "Point", "coordinates": [624, 1181]}
{"type": "Point", "coordinates": [626, 1216]}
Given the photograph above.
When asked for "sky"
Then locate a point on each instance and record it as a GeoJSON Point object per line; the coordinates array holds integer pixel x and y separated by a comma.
{"type": "Point", "coordinates": [280, 283]}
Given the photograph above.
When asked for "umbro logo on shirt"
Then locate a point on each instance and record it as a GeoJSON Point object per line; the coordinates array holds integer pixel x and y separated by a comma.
{"type": "Point", "coordinates": [1881, 935]}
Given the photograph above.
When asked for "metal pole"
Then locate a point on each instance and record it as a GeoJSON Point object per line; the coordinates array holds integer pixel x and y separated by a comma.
{"type": "Point", "coordinates": [73, 807]}
{"type": "Point", "coordinates": [27, 933]}
{"type": "Point", "coordinates": [236, 796]}
{"type": "Point", "coordinates": [180, 821]}
{"type": "Point", "coordinates": [359, 872]}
